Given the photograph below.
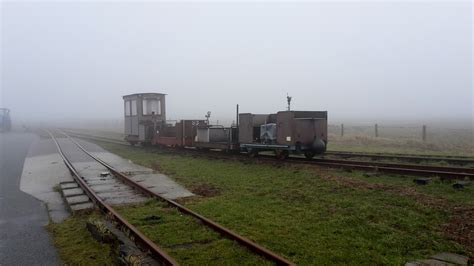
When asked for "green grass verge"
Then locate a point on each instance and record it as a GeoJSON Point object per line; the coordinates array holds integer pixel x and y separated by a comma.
{"type": "Point", "coordinates": [309, 219]}
{"type": "Point", "coordinates": [75, 244]}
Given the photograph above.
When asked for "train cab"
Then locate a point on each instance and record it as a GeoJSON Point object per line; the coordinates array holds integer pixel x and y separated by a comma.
{"type": "Point", "coordinates": [145, 114]}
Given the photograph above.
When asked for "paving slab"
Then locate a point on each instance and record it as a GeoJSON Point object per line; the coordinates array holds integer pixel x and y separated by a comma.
{"type": "Point", "coordinates": [73, 192]}
{"type": "Point", "coordinates": [67, 185]}
{"type": "Point", "coordinates": [432, 262]}
{"type": "Point", "coordinates": [123, 201]}
{"type": "Point", "coordinates": [452, 258]}
{"type": "Point", "coordinates": [108, 182]}
{"type": "Point", "coordinates": [156, 182]}
{"type": "Point", "coordinates": [123, 193]}
{"type": "Point", "coordinates": [43, 170]}
{"type": "Point", "coordinates": [84, 207]}
{"type": "Point", "coordinates": [77, 199]}
{"type": "Point", "coordinates": [162, 185]}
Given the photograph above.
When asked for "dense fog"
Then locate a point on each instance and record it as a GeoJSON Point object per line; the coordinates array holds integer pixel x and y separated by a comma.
{"type": "Point", "coordinates": [365, 61]}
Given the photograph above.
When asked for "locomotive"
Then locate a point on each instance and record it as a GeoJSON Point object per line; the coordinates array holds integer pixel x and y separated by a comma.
{"type": "Point", "coordinates": [283, 133]}
{"type": "Point", "coordinates": [5, 121]}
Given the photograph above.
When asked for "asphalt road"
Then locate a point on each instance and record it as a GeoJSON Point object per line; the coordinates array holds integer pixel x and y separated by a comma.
{"type": "Point", "coordinates": [23, 236]}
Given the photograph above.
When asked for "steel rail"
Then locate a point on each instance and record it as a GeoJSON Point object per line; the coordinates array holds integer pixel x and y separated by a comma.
{"type": "Point", "coordinates": [139, 238]}
{"type": "Point", "coordinates": [354, 153]}
{"type": "Point", "coordinates": [404, 169]}
{"type": "Point", "coordinates": [416, 158]}
{"type": "Point", "coordinates": [217, 227]}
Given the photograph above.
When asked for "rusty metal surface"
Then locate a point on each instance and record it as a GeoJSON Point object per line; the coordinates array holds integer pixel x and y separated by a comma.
{"type": "Point", "coordinates": [124, 225]}
{"type": "Point", "coordinates": [301, 127]}
{"type": "Point", "coordinates": [224, 231]}
{"type": "Point", "coordinates": [440, 169]}
{"type": "Point", "coordinates": [404, 169]}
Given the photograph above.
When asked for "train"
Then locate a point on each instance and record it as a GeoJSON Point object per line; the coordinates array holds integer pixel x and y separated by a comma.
{"type": "Point", "coordinates": [283, 133]}
{"type": "Point", "coordinates": [5, 120]}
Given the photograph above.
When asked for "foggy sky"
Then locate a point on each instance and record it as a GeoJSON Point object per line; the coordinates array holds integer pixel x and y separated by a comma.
{"type": "Point", "coordinates": [390, 60]}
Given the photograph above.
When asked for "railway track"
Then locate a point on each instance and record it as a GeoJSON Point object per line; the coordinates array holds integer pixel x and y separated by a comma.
{"type": "Point", "coordinates": [144, 242]}
{"type": "Point", "coordinates": [395, 168]}
{"type": "Point", "coordinates": [454, 160]}
{"type": "Point", "coordinates": [403, 169]}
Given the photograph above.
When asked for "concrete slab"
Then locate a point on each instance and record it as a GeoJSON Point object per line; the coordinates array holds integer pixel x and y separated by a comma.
{"type": "Point", "coordinates": [159, 183]}
{"type": "Point", "coordinates": [67, 185]}
{"type": "Point", "coordinates": [123, 201]}
{"type": "Point", "coordinates": [96, 178]}
{"type": "Point", "coordinates": [42, 171]}
{"type": "Point", "coordinates": [105, 188]}
{"type": "Point", "coordinates": [156, 182]}
{"type": "Point", "coordinates": [431, 262]}
{"type": "Point", "coordinates": [77, 199]}
{"type": "Point", "coordinates": [162, 185]}
{"type": "Point", "coordinates": [452, 258]}
{"type": "Point", "coordinates": [122, 194]}
{"type": "Point", "coordinates": [109, 182]}
{"type": "Point", "coordinates": [73, 192]}
{"type": "Point", "coordinates": [84, 207]}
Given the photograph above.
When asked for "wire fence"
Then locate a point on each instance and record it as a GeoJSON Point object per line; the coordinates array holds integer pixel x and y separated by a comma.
{"type": "Point", "coordinates": [419, 132]}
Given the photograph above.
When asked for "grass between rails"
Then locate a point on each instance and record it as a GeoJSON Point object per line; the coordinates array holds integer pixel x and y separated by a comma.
{"type": "Point", "coordinates": [76, 245]}
{"type": "Point", "coordinates": [185, 239]}
{"type": "Point", "coordinates": [296, 212]}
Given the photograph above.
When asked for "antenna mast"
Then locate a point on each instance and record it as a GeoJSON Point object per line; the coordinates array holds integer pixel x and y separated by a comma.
{"type": "Point", "coordinates": [288, 99]}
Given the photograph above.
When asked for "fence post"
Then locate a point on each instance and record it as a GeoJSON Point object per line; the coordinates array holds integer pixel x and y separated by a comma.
{"type": "Point", "coordinates": [376, 130]}
{"type": "Point", "coordinates": [424, 133]}
{"type": "Point", "coordinates": [342, 130]}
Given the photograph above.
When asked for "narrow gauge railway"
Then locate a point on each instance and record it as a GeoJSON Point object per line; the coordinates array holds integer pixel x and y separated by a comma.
{"type": "Point", "coordinates": [141, 240]}
{"type": "Point", "coordinates": [454, 160]}
{"type": "Point", "coordinates": [283, 133]}
{"type": "Point", "coordinates": [403, 169]}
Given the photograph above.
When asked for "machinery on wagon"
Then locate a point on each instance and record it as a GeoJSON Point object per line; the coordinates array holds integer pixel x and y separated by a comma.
{"type": "Point", "coordinates": [5, 120]}
{"type": "Point", "coordinates": [284, 133]}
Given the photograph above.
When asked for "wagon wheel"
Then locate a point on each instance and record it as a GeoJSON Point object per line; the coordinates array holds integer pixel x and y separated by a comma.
{"type": "Point", "coordinates": [282, 154]}
{"type": "Point", "coordinates": [309, 154]}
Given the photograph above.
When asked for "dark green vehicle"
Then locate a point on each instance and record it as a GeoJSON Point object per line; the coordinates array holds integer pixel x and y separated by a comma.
{"type": "Point", "coordinates": [5, 121]}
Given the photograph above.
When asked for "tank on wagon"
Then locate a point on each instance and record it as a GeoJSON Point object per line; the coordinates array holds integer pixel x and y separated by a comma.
{"type": "Point", "coordinates": [5, 120]}
{"type": "Point", "coordinates": [298, 132]}
{"type": "Point", "coordinates": [217, 137]}
{"type": "Point", "coordinates": [145, 113]}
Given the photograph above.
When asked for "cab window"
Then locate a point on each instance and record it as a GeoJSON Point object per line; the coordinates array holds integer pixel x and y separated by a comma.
{"type": "Point", "coordinates": [127, 108]}
{"type": "Point", "coordinates": [151, 106]}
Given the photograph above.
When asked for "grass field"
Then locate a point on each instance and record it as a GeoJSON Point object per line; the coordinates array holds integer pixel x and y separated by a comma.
{"type": "Point", "coordinates": [441, 139]}
{"type": "Point", "coordinates": [314, 215]}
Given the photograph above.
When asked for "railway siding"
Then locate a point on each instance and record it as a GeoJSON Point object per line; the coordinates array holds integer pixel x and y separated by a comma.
{"type": "Point", "coordinates": [96, 195]}
{"type": "Point", "coordinates": [315, 213]}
